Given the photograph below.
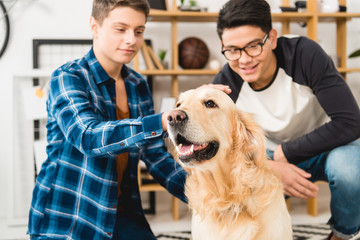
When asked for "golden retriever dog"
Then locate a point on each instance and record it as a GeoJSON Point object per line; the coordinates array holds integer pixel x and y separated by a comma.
{"type": "Point", "coordinates": [233, 193]}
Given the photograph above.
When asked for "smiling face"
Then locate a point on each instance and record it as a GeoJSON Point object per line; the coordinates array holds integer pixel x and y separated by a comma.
{"type": "Point", "coordinates": [257, 71]}
{"type": "Point", "coordinates": [119, 37]}
{"type": "Point", "coordinates": [201, 125]}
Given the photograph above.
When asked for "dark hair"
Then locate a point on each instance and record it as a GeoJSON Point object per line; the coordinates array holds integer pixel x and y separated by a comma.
{"type": "Point", "coordinates": [101, 8]}
{"type": "Point", "coordinates": [237, 13]}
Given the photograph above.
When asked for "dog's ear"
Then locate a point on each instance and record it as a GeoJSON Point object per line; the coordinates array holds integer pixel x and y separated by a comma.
{"type": "Point", "coordinates": [249, 137]}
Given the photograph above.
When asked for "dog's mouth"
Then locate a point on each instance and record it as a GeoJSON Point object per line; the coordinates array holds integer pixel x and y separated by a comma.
{"type": "Point", "coordinates": [188, 151]}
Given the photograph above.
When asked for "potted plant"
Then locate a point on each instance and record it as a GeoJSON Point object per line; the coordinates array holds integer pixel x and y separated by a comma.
{"type": "Point", "coordinates": [192, 6]}
{"type": "Point", "coordinates": [162, 54]}
{"type": "Point", "coordinates": [355, 54]}
{"type": "Point", "coordinates": [192, 3]}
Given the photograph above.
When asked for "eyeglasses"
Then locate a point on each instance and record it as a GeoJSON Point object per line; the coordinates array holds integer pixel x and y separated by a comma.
{"type": "Point", "coordinates": [251, 50]}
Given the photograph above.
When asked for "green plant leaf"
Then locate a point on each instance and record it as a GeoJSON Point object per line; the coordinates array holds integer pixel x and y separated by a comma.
{"type": "Point", "coordinates": [355, 54]}
{"type": "Point", "coordinates": [162, 54]}
{"type": "Point", "coordinates": [192, 3]}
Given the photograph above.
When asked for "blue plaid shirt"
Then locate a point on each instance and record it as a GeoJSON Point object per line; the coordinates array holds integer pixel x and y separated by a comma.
{"type": "Point", "coordinates": [76, 193]}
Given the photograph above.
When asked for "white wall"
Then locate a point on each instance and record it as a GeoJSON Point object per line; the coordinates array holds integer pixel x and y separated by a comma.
{"type": "Point", "coordinates": [69, 19]}
{"type": "Point", "coordinates": [31, 19]}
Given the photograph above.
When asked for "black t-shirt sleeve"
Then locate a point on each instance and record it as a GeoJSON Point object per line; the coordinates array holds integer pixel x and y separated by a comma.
{"type": "Point", "coordinates": [335, 97]}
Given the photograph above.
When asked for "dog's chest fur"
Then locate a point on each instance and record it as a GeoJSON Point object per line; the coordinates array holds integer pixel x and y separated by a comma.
{"type": "Point", "coordinates": [222, 210]}
{"type": "Point", "coordinates": [208, 229]}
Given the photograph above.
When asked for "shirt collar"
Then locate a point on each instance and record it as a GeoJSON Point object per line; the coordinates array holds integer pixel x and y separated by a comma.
{"type": "Point", "coordinates": [98, 71]}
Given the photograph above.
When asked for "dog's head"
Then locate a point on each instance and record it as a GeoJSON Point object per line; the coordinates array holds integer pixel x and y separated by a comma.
{"type": "Point", "coordinates": [206, 124]}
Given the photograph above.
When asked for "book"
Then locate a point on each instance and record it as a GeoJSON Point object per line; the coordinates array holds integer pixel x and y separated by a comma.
{"type": "Point", "coordinates": [157, 62]}
{"type": "Point", "coordinates": [148, 61]}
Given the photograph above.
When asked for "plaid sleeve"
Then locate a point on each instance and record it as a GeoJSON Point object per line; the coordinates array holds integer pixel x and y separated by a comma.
{"type": "Point", "coordinates": [86, 126]}
{"type": "Point", "coordinates": [165, 169]}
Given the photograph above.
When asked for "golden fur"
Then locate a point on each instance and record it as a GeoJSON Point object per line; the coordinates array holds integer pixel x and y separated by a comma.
{"type": "Point", "coordinates": [233, 195]}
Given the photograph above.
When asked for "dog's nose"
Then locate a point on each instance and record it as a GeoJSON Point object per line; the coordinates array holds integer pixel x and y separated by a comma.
{"type": "Point", "coordinates": [177, 116]}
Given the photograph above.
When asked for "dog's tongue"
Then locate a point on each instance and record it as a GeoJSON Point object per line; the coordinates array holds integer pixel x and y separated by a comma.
{"type": "Point", "coordinates": [189, 149]}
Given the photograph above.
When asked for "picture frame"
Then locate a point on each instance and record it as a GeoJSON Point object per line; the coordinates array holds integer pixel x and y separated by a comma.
{"type": "Point", "coordinates": [158, 4]}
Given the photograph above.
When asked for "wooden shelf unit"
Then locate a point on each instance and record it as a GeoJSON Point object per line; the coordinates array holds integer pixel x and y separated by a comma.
{"type": "Point", "coordinates": [311, 17]}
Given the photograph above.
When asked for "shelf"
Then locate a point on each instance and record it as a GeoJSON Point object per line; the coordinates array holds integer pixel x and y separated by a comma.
{"type": "Point", "coordinates": [339, 15]}
{"type": "Point", "coordinates": [211, 72]}
{"type": "Point", "coordinates": [179, 72]}
{"type": "Point", "coordinates": [182, 16]}
{"type": "Point", "coordinates": [291, 16]}
{"type": "Point", "coordinates": [151, 187]}
{"type": "Point", "coordinates": [348, 70]}
{"type": "Point", "coordinates": [188, 16]}
{"type": "Point", "coordinates": [193, 72]}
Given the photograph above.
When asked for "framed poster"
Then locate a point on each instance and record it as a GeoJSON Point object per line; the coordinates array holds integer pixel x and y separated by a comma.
{"type": "Point", "coordinates": [4, 28]}
{"type": "Point", "coordinates": [158, 4]}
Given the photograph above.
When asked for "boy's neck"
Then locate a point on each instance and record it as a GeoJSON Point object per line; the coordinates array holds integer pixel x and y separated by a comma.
{"type": "Point", "coordinates": [111, 68]}
{"type": "Point", "coordinates": [268, 77]}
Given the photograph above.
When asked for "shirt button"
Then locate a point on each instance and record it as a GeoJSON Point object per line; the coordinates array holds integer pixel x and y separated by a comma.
{"type": "Point", "coordinates": [122, 144]}
{"type": "Point", "coordinates": [153, 133]}
{"type": "Point", "coordinates": [109, 233]}
{"type": "Point", "coordinates": [114, 206]}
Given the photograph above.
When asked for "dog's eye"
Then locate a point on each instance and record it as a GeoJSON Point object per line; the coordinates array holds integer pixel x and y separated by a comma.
{"type": "Point", "coordinates": [210, 104]}
{"type": "Point", "coordinates": [178, 105]}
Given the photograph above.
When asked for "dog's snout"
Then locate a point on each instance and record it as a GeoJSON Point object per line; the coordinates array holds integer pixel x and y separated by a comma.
{"type": "Point", "coordinates": [177, 116]}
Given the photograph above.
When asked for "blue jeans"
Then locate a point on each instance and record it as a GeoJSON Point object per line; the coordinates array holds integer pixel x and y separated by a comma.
{"type": "Point", "coordinates": [134, 227]}
{"type": "Point", "coordinates": [339, 167]}
{"type": "Point", "coordinates": [127, 227]}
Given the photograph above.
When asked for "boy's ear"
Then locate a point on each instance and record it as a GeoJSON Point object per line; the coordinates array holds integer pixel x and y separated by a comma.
{"type": "Point", "coordinates": [273, 38]}
{"type": "Point", "coordinates": [94, 26]}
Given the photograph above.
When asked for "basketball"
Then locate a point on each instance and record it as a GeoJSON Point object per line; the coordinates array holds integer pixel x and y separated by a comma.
{"type": "Point", "coordinates": [193, 53]}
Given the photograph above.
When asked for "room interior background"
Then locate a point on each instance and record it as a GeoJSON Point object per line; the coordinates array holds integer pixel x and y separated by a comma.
{"type": "Point", "coordinates": [69, 19]}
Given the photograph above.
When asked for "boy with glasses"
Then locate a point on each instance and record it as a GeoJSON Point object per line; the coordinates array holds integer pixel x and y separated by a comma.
{"type": "Point", "coordinates": [309, 115]}
{"type": "Point", "coordinates": [101, 121]}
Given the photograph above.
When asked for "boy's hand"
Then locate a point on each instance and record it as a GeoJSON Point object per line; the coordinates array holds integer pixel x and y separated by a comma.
{"type": "Point", "coordinates": [294, 179]}
{"type": "Point", "coordinates": [164, 117]}
{"type": "Point", "coordinates": [225, 88]}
